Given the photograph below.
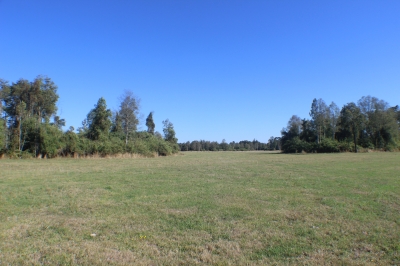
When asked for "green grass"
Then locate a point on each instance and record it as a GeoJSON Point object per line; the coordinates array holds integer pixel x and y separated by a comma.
{"type": "Point", "coordinates": [222, 208]}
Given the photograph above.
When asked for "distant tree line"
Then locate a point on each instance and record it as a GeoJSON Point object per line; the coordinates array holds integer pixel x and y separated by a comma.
{"type": "Point", "coordinates": [244, 145]}
{"type": "Point", "coordinates": [368, 124]}
{"type": "Point", "coordinates": [29, 126]}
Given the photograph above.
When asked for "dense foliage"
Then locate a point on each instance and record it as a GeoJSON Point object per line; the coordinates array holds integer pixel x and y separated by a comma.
{"type": "Point", "coordinates": [371, 124]}
{"type": "Point", "coordinates": [26, 131]}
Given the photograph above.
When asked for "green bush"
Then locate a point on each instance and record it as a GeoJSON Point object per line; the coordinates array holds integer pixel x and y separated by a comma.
{"type": "Point", "coordinates": [164, 149]}
{"type": "Point", "coordinates": [50, 140]}
{"type": "Point", "coordinates": [328, 145]}
{"type": "Point", "coordinates": [141, 147]}
{"type": "Point", "coordinates": [295, 145]}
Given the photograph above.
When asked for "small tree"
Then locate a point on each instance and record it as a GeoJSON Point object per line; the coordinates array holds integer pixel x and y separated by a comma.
{"type": "Point", "coordinates": [169, 132]}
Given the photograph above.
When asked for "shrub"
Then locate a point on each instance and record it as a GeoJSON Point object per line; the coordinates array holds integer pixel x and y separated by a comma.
{"type": "Point", "coordinates": [328, 145]}
{"type": "Point", "coordinates": [295, 145]}
{"type": "Point", "coordinates": [164, 149]}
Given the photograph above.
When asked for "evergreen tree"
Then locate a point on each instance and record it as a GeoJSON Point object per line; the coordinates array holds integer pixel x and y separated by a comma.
{"type": "Point", "coordinates": [150, 123]}
{"type": "Point", "coordinates": [98, 119]}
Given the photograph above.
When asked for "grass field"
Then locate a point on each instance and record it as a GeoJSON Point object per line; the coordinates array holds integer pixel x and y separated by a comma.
{"type": "Point", "coordinates": [219, 208]}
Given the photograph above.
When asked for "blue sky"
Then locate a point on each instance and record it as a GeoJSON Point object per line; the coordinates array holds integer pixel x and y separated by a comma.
{"type": "Point", "coordinates": [231, 70]}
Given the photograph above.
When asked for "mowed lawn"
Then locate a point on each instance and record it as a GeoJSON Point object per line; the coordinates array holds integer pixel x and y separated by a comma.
{"type": "Point", "coordinates": [218, 208]}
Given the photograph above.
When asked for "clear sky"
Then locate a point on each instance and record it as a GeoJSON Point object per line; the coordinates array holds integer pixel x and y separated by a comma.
{"type": "Point", "coordinates": [231, 70]}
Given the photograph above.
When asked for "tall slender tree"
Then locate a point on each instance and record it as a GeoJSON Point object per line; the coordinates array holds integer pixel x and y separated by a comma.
{"type": "Point", "coordinates": [333, 113]}
{"type": "Point", "coordinates": [150, 123]}
{"type": "Point", "coordinates": [128, 113]}
{"type": "Point", "coordinates": [318, 115]}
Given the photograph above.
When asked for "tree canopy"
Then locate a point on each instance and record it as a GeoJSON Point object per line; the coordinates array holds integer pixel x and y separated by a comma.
{"type": "Point", "coordinates": [26, 131]}
{"type": "Point", "coordinates": [369, 124]}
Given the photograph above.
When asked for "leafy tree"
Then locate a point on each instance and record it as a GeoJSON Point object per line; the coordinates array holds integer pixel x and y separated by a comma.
{"type": "Point", "coordinates": [352, 119]}
{"type": "Point", "coordinates": [27, 100]}
{"type": "Point", "coordinates": [307, 134]}
{"type": "Point", "coordinates": [39, 96]}
{"type": "Point", "coordinates": [150, 123]}
{"type": "Point", "coordinates": [294, 125]}
{"type": "Point", "coordinates": [333, 116]}
{"type": "Point", "coordinates": [368, 104]}
{"type": "Point", "coordinates": [384, 128]}
{"type": "Point", "coordinates": [128, 113]}
{"type": "Point", "coordinates": [98, 120]}
{"type": "Point", "coordinates": [293, 130]}
{"type": "Point", "coordinates": [42, 98]}
{"type": "Point", "coordinates": [380, 122]}
{"type": "Point", "coordinates": [318, 115]}
{"type": "Point", "coordinates": [169, 132]}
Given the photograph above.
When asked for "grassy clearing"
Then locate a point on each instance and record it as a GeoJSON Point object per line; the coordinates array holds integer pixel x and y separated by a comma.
{"type": "Point", "coordinates": [223, 208]}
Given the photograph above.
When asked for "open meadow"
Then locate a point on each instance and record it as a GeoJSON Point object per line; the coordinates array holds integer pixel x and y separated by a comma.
{"type": "Point", "coordinates": [218, 208]}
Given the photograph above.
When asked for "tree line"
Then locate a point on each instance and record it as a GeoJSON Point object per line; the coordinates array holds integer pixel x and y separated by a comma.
{"type": "Point", "coordinates": [205, 145]}
{"type": "Point", "coordinates": [29, 126]}
{"type": "Point", "coordinates": [370, 123]}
